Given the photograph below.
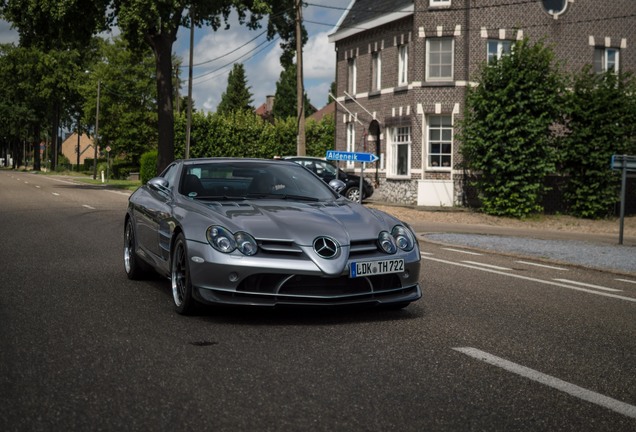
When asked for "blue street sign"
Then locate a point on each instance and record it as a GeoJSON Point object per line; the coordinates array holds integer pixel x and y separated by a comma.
{"type": "Point", "coordinates": [351, 156]}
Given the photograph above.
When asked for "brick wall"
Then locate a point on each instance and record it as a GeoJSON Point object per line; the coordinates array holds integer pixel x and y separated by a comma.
{"type": "Point", "coordinates": [573, 36]}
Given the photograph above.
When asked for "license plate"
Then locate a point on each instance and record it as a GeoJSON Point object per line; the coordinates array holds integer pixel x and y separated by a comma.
{"type": "Point", "coordinates": [371, 268]}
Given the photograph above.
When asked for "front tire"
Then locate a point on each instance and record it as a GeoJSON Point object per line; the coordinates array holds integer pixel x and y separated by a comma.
{"type": "Point", "coordinates": [134, 266]}
{"type": "Point", "coordinates": [353, 194]}
{"type": "Point", "coordinates": [180, 277]}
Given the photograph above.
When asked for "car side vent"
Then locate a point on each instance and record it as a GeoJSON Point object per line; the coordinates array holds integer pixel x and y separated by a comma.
{"type": "Point", "coordinates": [279, 247]}
{"type": "Point", "coordinates": [361, 247]}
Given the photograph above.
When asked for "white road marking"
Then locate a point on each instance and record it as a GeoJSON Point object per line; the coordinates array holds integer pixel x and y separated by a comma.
{"type": "Point", "coordinates": [463, 251]}
{"type": "Point", "coordinates": [88, 207]}
{"type": "Point", "coordinates": [55, 193]}
{"type": "Point", "coordinates": [488, 265]}
{"type": "Point", "coordinates": [626, 280]}
{"type": "Point", "coordinates": [39, 187]}
{"type": "Point", "coordinates": [550, 381]}
{"type": "Point", "coordinates": [542, 281]}
{"type": "Point", "coordinates": [425, 253]}
{"type": "Point", "coordinates": [588, 285]}
{"type": "Point", "coordinates": [542, 265]}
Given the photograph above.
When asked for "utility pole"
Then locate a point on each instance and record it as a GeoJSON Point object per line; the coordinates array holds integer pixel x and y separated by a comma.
{"type": "Point", "coordinates": [189, 122]}
{"type": "Point", "coordinates": [300, 88]}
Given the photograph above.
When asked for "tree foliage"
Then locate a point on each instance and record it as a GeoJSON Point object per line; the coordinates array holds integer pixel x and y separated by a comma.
{"type": "Point", "coordinates": [285, 100]}
{"type": "Point", "coordinates": [244, 134]}
{"type": "Point", "coordinates": [128, 113]}
{"type": "Point", "coordinates": [237, 96]}
{"type": "Point", "coordinates": [506, 130]}
{"type": "Point", "coordinates": [600, 121]}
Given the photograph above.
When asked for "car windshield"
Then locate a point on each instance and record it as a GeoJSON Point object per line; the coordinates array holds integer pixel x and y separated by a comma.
{"type": "Point", "coordinates": [239, 180]}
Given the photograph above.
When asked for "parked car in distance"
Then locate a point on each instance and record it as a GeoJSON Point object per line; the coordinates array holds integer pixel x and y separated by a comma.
{"type": "Point", "coordinates": [266, 233]}
{"type": "Point", "coordinates": [327, 171]}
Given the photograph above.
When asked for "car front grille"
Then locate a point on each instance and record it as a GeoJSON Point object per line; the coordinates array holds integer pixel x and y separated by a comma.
{"type": "Point", "coordinates": [310, 289]}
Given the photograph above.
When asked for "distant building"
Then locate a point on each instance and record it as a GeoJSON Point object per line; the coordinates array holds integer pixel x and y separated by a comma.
{"type": "Point", "coordinates": [327, 110]}
{"type": "Point", "coordinates": [403, 68]}
{"type": "Point", "coordinates": [265, 110]}
{"type": "Point", "coordinates": [70, 149]}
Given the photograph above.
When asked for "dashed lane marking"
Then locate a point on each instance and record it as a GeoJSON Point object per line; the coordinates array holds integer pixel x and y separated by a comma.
{"type": "Point", "coordinates": [542, 265]}
{"type": "Point", "coordinates": [541, 281]}
{"type": "Point", "coordinates": [488, 265]}
{"type": "Point", "coordinates": [463, 251]}
{"type": "Point", "coordinates": [588, 285]}
{"type": "Point", "coordinates": [550, 381]}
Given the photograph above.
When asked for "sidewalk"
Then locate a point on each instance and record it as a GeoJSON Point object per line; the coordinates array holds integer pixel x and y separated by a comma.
{"type": "Point", "coordinates": [586, 249]}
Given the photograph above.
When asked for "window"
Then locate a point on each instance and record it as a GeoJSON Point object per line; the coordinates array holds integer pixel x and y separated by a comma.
{"type": "Point", "coordinates": [440, 3]}
{"type": "Point", "coordinates": [440, 59]}
{"type": "Point", "coordinates": [555, 7]}
{"type": "Point", "coordinates": [351, 140]}
{"type": "Point", "coordinates": [403, 65]}
{"type": "Point", "coordinates": [351, 76]}
{"type": "Point", "coordinates": [497, 48]}
{"type": "Point", "coordinates": [399, 151]}
{"type": "Point", "coordinates": [440, 141]}
{"type": "Point", "coordinates": [376, 71]}
{"type": "Point", "coordinates": [605, 59]}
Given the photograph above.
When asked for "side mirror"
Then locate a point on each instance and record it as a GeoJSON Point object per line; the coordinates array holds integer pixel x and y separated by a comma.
{"type": "Point", "coordinates": [337, 185]}
{"type": "Point", "coordinates": [158, 183]}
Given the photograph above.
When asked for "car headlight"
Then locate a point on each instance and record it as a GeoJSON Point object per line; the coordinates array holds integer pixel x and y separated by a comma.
{"type": "Point", "coordinates": [224, 241]}
{"type": "Point", "coordinates": [245, 243]}
{"type": "Point", "coordinates": [403, 237]}
{"type": "Point", "coordinates": [387, 242]}
{"type": "Point", "coordinates": [221, 239]}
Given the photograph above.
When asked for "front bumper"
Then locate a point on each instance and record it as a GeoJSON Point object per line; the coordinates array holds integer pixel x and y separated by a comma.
{"type": "Point", "coordinates": [275, 281]}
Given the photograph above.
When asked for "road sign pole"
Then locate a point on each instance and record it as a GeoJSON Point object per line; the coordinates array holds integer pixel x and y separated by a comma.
{"type": "Point", "coordinates": [361, 180]}
{"type": "Point", "coordinates": [623, 191]}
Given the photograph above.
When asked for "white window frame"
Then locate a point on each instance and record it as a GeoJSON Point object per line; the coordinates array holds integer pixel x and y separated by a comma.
{"type": "Point", "coordinates": [503, 47]}
{"type": "Point", "coordinates": [429, 63]}
{"type": "Point", "coordinates": [351, 140]}
{"type": "Point", "coordinates": [352, 75]}
{"type": "Point", "coordinates": [605, 62]}
{"type": "Point", "coordinates": [443, 160]}
{"type": "Point", "coordinates": [400, 136]}
{"type": "Point", "coordinates": [376, 71]}
{"type": "Point", "coordinates": [436, 3]}
{"type": "Point", "coordinates": [403, 65]}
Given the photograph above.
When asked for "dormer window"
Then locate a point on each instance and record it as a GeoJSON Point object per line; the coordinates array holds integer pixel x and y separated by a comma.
{"type": "Point", "coordinates": [555, 7]}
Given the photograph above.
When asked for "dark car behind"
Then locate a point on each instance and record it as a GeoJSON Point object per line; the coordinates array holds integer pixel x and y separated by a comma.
{"type": "Point", "coordinates": [328, 172]}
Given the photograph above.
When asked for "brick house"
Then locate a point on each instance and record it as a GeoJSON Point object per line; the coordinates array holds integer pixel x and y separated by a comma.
{"type": "Point", "coordinates": [86, 149]}
{"type": "Point", "coordinates": [403, 68]}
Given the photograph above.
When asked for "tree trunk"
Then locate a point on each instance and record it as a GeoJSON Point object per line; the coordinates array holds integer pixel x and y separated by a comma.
{"type": "Point", "coordinates": [36, 148]}
{"type": "Point", "coordinates": [162, 46]}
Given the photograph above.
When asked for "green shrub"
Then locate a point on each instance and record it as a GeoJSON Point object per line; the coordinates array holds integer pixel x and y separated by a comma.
{"type": "Point", "coordinates": [148, 166]}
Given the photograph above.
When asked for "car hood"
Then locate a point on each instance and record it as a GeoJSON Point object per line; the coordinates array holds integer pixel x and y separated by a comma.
{"type": "Point", "coordinates": [301, 222]}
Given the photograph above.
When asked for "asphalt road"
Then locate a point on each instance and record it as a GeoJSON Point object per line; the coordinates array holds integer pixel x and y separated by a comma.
{"type": "Point", "coordinates": [496, 344]}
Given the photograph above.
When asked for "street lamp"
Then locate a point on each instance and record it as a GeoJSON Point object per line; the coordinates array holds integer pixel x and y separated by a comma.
{"type": "Point", "coordinates": [96, 140]}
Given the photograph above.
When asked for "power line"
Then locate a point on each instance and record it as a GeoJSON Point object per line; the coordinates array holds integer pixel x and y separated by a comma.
{"type": "Point", "coordinates": [266, 45]}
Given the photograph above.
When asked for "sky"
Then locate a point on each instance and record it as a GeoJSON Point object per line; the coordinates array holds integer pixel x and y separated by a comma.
{"type": "Point", "coordinates": [216, 52]}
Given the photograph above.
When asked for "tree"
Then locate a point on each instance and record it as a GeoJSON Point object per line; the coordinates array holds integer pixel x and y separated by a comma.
{"type": "Point", "coordinates": [600, 122]}
{"type": "Point", "coordinates": [285, 101]}
{"type": "Point", "coordinates": [237, 96]}
{"type": "Point", "coordinates": [506, 136]}
{"type": "Point", "coordinates": [156, 24]}
{"type": "Point", "coordinates": [143, 22]}
{"type": "Point", "coordinates": [128, 102]}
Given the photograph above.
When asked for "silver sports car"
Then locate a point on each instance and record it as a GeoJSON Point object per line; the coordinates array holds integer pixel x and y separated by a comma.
{"type": "Point", "coordinates": [266, 233]}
